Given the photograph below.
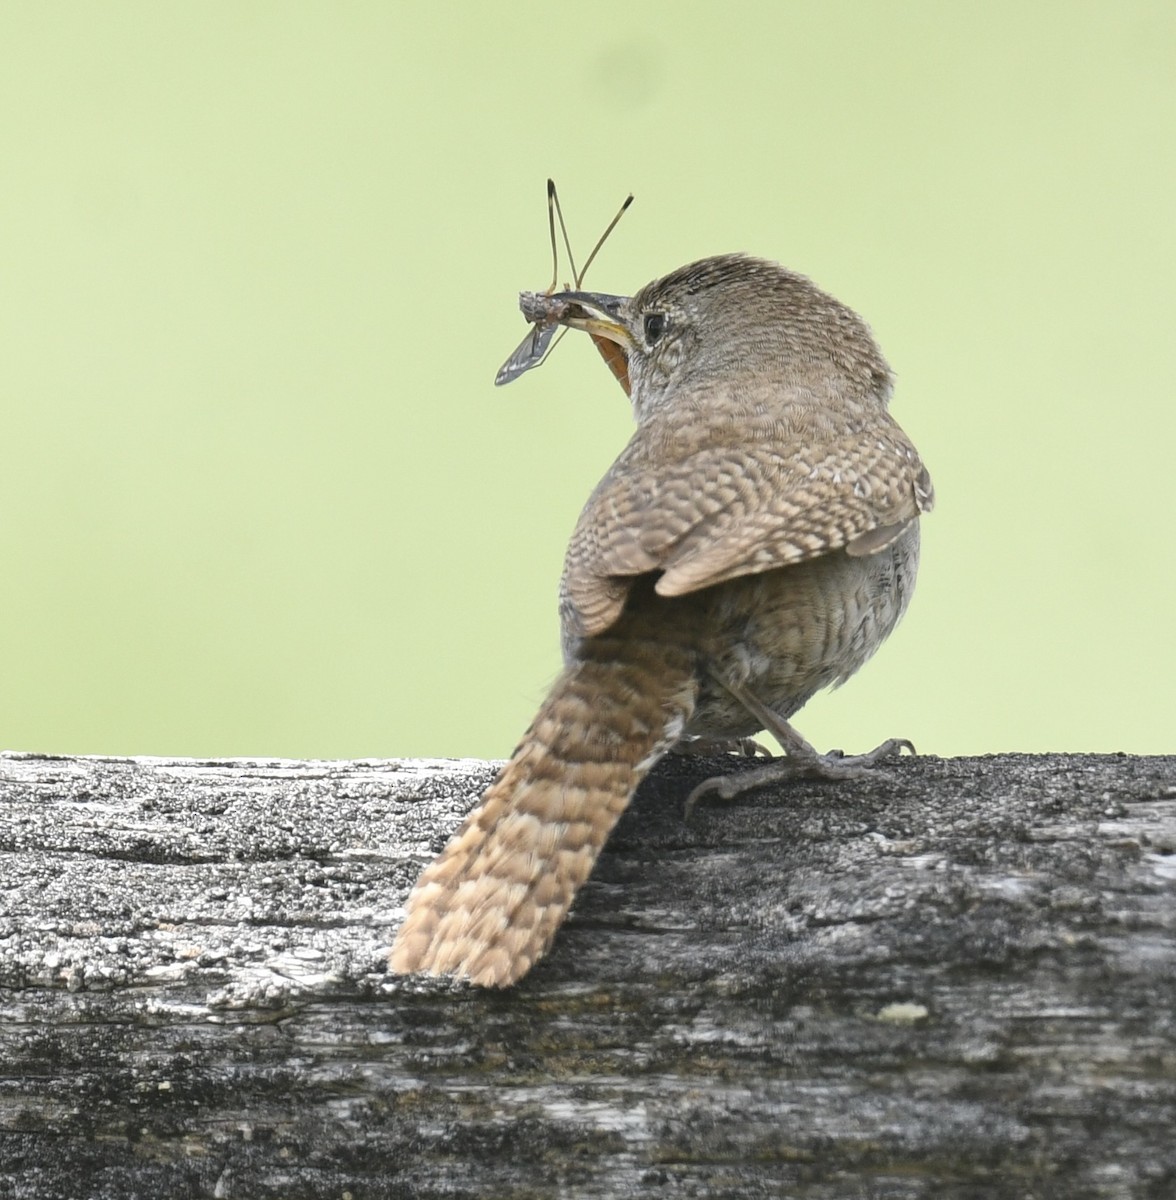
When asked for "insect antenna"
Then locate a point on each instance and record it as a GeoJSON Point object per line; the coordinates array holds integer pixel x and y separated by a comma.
{"type": "Point", "coordinates": [600, 242]}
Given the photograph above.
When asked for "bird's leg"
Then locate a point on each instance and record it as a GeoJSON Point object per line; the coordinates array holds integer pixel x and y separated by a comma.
{"type": "Point", "coordinates": [800, 760]}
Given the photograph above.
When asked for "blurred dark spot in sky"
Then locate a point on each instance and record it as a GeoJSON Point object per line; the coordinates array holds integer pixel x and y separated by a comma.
{"type": "Point", "coordinates": [629, 73]}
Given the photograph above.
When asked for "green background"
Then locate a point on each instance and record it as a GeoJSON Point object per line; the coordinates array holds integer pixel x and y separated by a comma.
{"type": "Point", "coordinates": [259, 264]}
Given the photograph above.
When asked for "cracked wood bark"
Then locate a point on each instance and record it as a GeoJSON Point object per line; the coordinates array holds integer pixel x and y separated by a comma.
{"type": "Point", "coordinates": [957, 979]}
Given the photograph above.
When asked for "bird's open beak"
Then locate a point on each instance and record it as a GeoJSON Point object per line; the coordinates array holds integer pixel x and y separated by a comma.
{"type": "Point", "coordinates": [598, 315]}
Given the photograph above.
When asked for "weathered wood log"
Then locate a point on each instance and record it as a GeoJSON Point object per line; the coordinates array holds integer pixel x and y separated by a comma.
{"type": "Point", "coordinates": [954, 979]}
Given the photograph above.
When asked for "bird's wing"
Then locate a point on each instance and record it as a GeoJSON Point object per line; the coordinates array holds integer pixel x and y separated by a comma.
{"type": "Point", "coordinates": [725, 511]}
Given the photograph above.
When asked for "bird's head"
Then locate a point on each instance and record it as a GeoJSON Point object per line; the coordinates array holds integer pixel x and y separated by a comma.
{"type": "Point", "coordinates": [734, 321]}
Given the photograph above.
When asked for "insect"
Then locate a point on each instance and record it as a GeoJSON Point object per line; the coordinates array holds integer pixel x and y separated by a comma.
{"type": "Point", "coordinates": [545, 310]}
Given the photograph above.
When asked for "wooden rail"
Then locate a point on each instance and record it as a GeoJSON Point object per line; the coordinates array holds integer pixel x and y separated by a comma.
{"type": "Point", "coordinates": [954, 979]}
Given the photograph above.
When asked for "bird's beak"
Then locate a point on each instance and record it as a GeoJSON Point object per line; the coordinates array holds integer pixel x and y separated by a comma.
{"type": "Point", "coordinates": [598, 315]}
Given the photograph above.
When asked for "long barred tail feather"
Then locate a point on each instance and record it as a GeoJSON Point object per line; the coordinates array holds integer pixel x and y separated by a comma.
{"type": "Point", "coordinates": [488, 907]}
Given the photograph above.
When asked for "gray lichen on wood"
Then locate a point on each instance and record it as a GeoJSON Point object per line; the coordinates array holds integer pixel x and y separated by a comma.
{"type": "Point", "coordinates": [957, 978]}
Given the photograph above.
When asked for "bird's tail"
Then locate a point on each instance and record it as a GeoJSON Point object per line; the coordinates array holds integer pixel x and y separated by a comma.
{"type": "Point", "coordinates": [489, 905]}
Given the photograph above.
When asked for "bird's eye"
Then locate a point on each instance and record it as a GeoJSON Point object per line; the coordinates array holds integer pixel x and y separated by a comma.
{"type": "Point", "coordinates": [655, 326]}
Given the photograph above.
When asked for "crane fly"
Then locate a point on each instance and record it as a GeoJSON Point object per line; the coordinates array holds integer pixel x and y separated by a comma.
{"type": "Point", "coordinates": [545, 310]}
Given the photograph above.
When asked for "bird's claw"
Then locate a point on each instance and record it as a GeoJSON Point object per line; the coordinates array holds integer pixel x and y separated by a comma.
{"type": "Point", "coordinates": [832, 766]}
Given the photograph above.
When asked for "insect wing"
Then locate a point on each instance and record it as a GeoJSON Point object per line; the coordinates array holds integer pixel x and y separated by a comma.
{"type": "Point", "coordinates": [529, 354]}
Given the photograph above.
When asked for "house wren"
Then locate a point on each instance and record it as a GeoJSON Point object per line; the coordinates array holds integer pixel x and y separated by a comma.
{"type": "Point", "coordinates": [755, 541]}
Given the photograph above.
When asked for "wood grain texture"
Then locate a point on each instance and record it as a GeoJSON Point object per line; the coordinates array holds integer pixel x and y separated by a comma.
{"type": "Point", "coordinates": [956, 979]}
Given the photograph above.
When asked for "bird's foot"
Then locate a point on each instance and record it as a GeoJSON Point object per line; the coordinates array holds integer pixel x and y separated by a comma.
{"type": "Point", "coordinates": [801, 762]}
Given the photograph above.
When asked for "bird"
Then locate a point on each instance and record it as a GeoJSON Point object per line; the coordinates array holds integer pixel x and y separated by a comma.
{"type": "Point", "coordinates": [755, 541]}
